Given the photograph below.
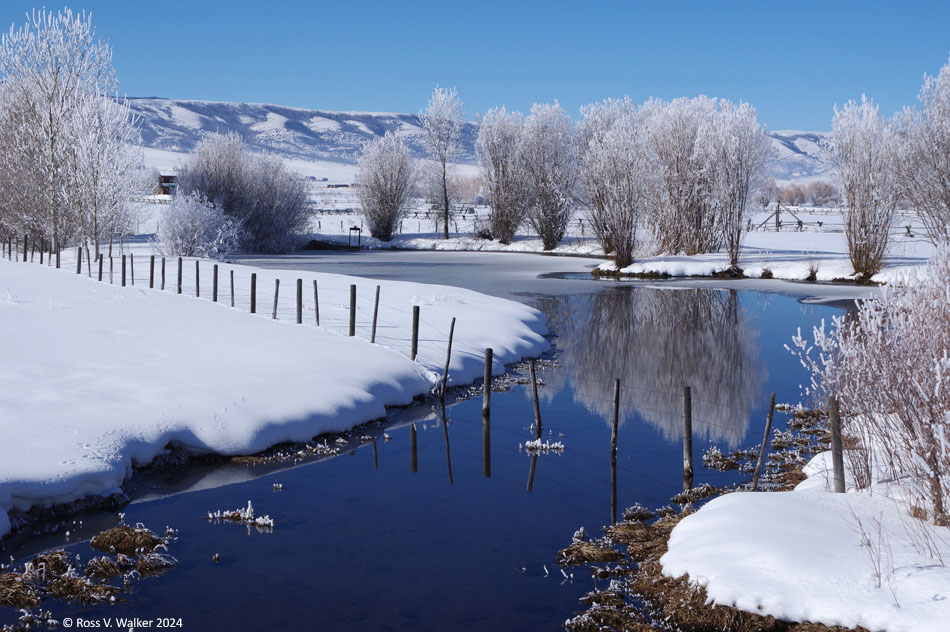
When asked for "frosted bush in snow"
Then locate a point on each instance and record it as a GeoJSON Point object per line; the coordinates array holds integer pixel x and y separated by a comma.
{"type": "Point", "coordinates": [687, 221]}
{"type": "Point", "coordinates": [54, 72]}
{"type": "Point", "coordinates": [442, 122]}
{"type": "Point", "coordinates": [889, 367]}
{"type": "Point", "coordinates": [256, 190]}
{"type": "Point", "coordinates": [618, 175]}
{"type": "Point", "coordinates": [384, 184]}
{"type": "Point", "coordinates": [863, 148]}
{"type": "Point", "coordinates": [549, 156]}
{"type": "Point", "coordinates": [740, 151]}
{"type": "Point", "coordinates": [193, 227]}
{"type": "Point", "coordinates": [924, 164]}
{"type": "Point", "coordinates": [499, 138]}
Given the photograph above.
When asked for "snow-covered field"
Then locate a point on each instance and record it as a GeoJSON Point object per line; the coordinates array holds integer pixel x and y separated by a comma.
{"type": "Point", "coordinates": [98, 377]}
{"type": "Point", "coordinates": [812, 555]}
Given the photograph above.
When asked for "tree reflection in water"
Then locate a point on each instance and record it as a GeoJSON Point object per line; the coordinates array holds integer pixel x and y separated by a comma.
{"type": "Point", "coordinates": [656, 342]}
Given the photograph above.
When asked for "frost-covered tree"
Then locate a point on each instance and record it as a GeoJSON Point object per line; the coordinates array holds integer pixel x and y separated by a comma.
{"type": "Point", "coordinates": [739, 152]}
{"type": "Point", "coordinates": [924, 162]}
{"type": "Point", "coordinates": [384, 183]}
{"type": "Point", "coordinates": [50, 66]}
{"type": "Point", "coordinates": [548, 152]}
{"type": "Point", "coordinates": [498, 145]}
{"type": "Point", "coordinates": [596, 120]}
{"type": "Point", "coordinates": [442, 122]}
{"type": "Point", "coordinates": [889, 367]}
{"type": "Point", "coordinates": [193, 227]}
{"type": "Point", "coordinates": [863, 150]}
{"type": "Point", "coordinates": [256, 190]}
{"type": "Point", "coordinates": [821, 193]}
{"type": "Point", "coordinates": [619, 176]}
{"type": "Point", "coordinates": [688, 220]}
{"type": "Point", "coordinates": [107, 169]}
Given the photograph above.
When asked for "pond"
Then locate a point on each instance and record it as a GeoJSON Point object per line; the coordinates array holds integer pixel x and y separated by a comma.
{"type": "Point", "coordinates": [433, 525]}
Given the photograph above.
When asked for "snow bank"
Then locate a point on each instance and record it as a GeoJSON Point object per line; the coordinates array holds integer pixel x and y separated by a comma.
{"type": "Point", "coordinates": [810, 555]}
{"type": "Point", "coordinates": [97, 377]}
{"type": "Point", "coordinates": [793, 256]}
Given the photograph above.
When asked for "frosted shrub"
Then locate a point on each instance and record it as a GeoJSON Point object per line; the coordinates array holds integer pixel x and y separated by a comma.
{"type": "Point", "coordinates": [549, 156]}
{"type": "Point", "coordinates": [863, 147]}
{"type": "Point", "coordinates": [924, 163]}
{"type": "Point", "coordinates": [499, 137]}
{"type": "Point", "coordinates": [384, 184]}
{"type": "Point", "coordinates": [193, 227]}
{"type": "Point", "coordinates": [256, 190]}
{"type": "Point", "coordinates": [889, 367]}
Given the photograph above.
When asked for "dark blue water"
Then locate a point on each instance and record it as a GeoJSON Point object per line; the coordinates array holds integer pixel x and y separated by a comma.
{"type": "Point", "coordinates": [363, 542]}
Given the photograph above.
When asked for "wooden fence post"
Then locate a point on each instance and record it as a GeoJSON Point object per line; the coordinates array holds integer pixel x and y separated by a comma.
{"type": "Point", "coordinates": [299, 301]}
{"type": "Point", "coordinates": [837, 454]}
{"type": "Point", "coordinates": [101, 257]}
{"type": "Point", "coordinates": [132, 267]}
{"type": "Point", "coordinates": [765, 444]}
{"type": "Point", "coordinates": [276, 292]}
{"type": "Point", "coordinates": [151, 272]}
{"type": "Point", "coordinates": [415, 332]}
{"type": "Point", "coordinates": [537, 404]}
{"type": "Point", "coordinates": [111, 266]}
{"type": "Point", "coordinates": [486, 415]}
{"type": "Point", "coordinates": [214, 284]}
{"type": "Point", "coordinates": [253, 292]}
{"type": "Point", "coordinates": [163, 273]}
{"type": "Point", "coordinates": [123, 270]}
{"type": "Point", "coordinates": [25, 247]}
{"type": "Point", "coordinates": [316, 303]}
{"type": "Point", "coordinates": [613, 453]}
{"type": "Point", "coordinates": [179, 274]}
{"type": "Point", "coordinates": [197, 279]}
{"type": "Point", "coordinates": [352, 310]}
{"type": "Point", "coordinates": [687, 439]}
{"type": "Point", "coordinates": [372, 338]}
{"type": "Point", "coordinates": [413, 449]}
{"type": "Point", "coordinates": [448, 358]}
{"type": "Point", "coordinates": [232, 287]}
{"type": "Point", "coordinates": [78, 257]}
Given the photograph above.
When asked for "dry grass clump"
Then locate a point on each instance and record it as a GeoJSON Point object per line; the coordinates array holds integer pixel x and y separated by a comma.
{"type": "Point", "coordinates": [102, 568]}
{"type": "Point", "coordinates": [16, 593]}
{"type": "Point", "coordinates": [76, 588]}
{"type": "Point", "coordinates": [583, 552]}
{"type": "Point", "coordinates": [154, 563]}
{"type": "Point", "coordinates": [696, 494]}
{"type": "Point", "coordinates": [638, 513]}
{"type": "Point", "coordinates": [126, 540]}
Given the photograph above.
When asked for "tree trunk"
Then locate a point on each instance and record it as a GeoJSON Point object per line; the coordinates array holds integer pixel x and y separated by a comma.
{"type": "Point", "coordinates": [445, 201]}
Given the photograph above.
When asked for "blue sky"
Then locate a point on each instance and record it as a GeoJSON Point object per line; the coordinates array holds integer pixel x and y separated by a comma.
{"type": "Point", "coordinates": [792, 60]}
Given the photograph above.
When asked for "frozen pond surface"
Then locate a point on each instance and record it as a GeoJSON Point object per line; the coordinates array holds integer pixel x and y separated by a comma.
{"type": "Point", "coordinates": [367, 541]}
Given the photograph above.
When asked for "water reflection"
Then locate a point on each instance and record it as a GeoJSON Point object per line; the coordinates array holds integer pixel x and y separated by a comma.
{"type": "Point", "coordinates": [656, 343]}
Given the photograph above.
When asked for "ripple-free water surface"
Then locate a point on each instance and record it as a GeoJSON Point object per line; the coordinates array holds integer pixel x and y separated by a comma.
{"type": "Point", "coordinates": [364, 543]}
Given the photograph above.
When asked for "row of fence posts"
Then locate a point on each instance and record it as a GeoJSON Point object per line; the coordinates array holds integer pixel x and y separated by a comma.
{"type": "Point", "coordinates": [11, 251]}
{"type": "Point", "coordinates": [11, 254]}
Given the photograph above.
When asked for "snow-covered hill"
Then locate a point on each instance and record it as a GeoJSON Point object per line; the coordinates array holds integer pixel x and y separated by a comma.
{"type": "Point", "coordinates": [319, 135]}
{"type": "Point", "coordinates": [799, 156]}
{"type": "Point", "coordinates": [294, 132]}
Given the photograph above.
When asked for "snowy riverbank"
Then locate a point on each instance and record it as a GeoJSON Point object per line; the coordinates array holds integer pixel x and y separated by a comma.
{"type": "Point", "coordinates": [854, 559]}
{"type": "Point", "coordinates": [99, 377]}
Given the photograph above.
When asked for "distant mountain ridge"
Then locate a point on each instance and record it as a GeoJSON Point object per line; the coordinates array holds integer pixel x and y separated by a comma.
{"type": "Point", "coordinates": [178, 125]}
{"type": "Point", "coordinates": [295, 132]}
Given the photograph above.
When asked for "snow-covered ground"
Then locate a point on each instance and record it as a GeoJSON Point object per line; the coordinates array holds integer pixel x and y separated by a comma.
{"type": "Point", "coordinates": [98, 377]}
{"type": "Point", "coordinates": [812, 555]}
